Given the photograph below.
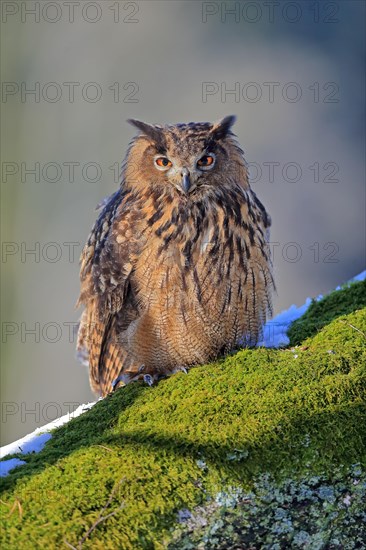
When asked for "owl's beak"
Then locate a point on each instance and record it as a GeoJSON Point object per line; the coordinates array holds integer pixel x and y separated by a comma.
{"type": "Point", "coordinates": [186, 182]}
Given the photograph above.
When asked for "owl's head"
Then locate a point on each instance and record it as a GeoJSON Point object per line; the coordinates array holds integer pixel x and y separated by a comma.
{"type": "Point", "coordinates": [185, 159]}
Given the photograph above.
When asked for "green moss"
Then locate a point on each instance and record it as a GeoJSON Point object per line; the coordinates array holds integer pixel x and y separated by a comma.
{"type": "Point", "coordinates": [179, 444]}
{"type": "Point", "coordinates": [321, 313]}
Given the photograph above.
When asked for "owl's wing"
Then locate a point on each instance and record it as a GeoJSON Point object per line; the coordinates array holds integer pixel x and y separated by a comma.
{"type": "Point", "coordinates": [106, 267]}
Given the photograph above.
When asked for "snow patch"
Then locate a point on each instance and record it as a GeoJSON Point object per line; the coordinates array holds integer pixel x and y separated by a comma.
{"type": "Point", "coordinates": [8, 465]}
{"type": "Point", "coordinates": [275, 330]}
{"type": "Point", "coordinates": [34, 442]}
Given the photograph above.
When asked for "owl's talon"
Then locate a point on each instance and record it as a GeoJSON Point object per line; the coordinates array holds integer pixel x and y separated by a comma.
{"type": "Point", "coordinates": [148, 379]}
{"type": "Point", "coordinates": [180, 369]}
{"type": "Point", "coordinates": [115, 382]}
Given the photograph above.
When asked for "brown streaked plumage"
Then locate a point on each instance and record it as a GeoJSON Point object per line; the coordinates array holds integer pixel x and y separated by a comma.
{"type": "Point", "coordinates": [177, 269]}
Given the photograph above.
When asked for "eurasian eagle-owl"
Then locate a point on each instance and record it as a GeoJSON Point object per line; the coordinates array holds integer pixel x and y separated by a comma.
{"type": "Point", "coordinates": [177, 269]}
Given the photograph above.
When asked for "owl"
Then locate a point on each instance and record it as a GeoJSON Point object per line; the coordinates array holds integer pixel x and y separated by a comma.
{"type": "Point", "coordinates": [177, 269]}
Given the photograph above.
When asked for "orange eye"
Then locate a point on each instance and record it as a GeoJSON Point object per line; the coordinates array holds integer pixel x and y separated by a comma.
{"type": "Point", "coordinates": [206, 161]}
{"type": "Point", "coordinates": [163, 162]}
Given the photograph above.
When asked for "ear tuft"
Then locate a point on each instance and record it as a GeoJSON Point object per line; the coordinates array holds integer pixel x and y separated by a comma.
{"type": "Point", "coordinates": [222, 127]}
{"type": "Point", "coordinates": [149, 130]}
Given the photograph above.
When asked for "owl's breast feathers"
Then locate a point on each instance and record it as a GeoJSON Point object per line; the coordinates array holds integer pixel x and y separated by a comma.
{"type": "Point", "coordinates": [169, 281]}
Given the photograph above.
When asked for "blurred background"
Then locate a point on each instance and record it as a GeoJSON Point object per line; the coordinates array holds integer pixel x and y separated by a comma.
{"type": "Point", "coordinates": [73, 72]}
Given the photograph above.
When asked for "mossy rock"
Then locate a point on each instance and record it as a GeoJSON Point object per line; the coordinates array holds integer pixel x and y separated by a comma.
{"type": "Point", "coordinates": [322, 312]}
{"type": "Point", "coordinates": [232, 455]}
